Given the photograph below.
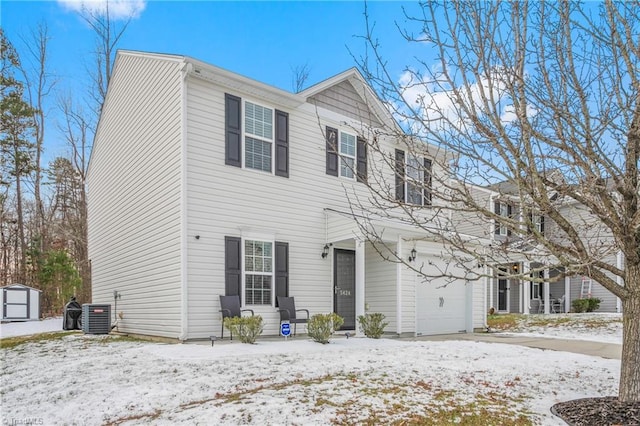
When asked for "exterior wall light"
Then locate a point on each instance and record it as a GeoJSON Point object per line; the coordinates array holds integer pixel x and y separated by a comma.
{"type": "Point", "coordinates": [325, 250]}
{"type": "Point", "coordinates": [413, 254]}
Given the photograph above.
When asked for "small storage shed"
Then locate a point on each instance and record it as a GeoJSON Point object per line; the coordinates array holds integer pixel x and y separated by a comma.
{"type": "Point", "coordinates": [20, 303]}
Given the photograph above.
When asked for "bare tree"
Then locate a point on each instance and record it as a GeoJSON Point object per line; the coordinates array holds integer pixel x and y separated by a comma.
{"type": "Point", "coordinates": [533, 106]}
{"type": "Point", "coordinates": [39, 84]}
{"type": "Point", "coordinates": [108, 32]}
{"type": "Point", "coordinates": [70, 177]}
{"type": "Point", "coordinates": [300, 75]}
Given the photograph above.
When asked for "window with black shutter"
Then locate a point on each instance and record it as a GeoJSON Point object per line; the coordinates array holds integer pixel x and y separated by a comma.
{"type": "Point", "coordinates": [258, 134]}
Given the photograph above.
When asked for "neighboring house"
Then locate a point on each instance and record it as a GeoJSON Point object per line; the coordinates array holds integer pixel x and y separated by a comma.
{"type": "Point", "coordinates": [553, 290]}
{"type": "Point", "coordinates": [204, 183]}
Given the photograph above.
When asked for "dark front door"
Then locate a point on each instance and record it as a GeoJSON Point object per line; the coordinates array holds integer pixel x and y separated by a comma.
{"type": "Point", "coordinates": [344, 291]}
{"type": "Point", "coordinates": [503, 294]}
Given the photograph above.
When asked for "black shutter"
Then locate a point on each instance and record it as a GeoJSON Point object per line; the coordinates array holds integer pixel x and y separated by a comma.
{"type": "Point", "coordinates": [362, 160]}
{"type": "Point", "coordinates": [427, 193]}
{"type": "Point", "coordinates": [232, 266]}
{"type": "Point", "coordinates": [282, 144]}
{"type": "Point", "coordinates": [400, 195]}
{"type": "Point", "coordinates": [542, 224]}
{"type": "Point", "coordinates": [496, 210]}
{"type": "Point", "coordinates": [281, 270]}
{"type": "Point", "coordinates": [233, 130]}
{"type": "Point", "coordinates": [510, 215]}
{"type": "Point", "coordinates": [332, 151]}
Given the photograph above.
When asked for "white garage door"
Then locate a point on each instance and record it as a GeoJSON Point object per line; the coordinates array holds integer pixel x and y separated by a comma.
{"type": "Point", "coordinates": [440, 309]}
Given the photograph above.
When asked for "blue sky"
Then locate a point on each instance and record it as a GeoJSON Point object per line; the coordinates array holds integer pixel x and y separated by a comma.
{"type": "Point", "coordinates": [261, 40]}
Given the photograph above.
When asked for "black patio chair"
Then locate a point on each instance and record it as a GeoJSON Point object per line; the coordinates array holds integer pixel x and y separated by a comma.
{"type": "Point", "coordinates": [288, 312]}
{"type": "Point", "coordinates": [230, 308]}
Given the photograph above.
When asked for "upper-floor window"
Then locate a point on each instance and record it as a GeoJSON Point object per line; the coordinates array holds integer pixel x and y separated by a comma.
{"type": "Point", "coordinates": [413, 179]}
{"type": "Point", "coordinates": [504, 210]}
{"type": "Point", "coordinates": [256, 136]}
{"type": "Point", "coordinates": [347, 154]}
{"type": "Point", "coordinates": [536, 223]}
{"type": "Point", "coordinates": [258, 130]}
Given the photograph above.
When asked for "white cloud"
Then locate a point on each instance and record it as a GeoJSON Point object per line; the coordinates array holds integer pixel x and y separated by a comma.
{"type": "Point", "coordinates": [438, 106]}
{"type": "Point", "coordinates": [118, 9]}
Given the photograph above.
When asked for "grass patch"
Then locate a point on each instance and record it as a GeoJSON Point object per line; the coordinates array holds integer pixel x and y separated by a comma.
{"type": "Point", "coordinates": [504, 321]}
{"type": "Point", "coordinates": [12, 342]}
{"type": "Point", "coordinates": [548, 321]}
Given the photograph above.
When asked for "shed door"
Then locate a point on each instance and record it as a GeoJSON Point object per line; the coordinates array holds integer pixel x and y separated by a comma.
{"type": "Point", "coordinates": [16, 303]}
{"type": "Point", "coordinates": [440, 309]}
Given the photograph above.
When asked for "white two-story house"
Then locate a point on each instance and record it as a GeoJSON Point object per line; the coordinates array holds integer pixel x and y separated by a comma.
{"type": "Point", "coordinates": [203, 183]}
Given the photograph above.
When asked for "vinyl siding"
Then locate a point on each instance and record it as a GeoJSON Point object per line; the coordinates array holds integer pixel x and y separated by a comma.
{"type": "Point", "coordinates": [134, 192]}
{"type": "Point", "coordinates": [225, 200]}
{"type": "Point", "coordinates": [380, 288]}
{"type": "Point", "coordinates": [343, 99]}
{"type": "Point", "coordinates": [470, 222]}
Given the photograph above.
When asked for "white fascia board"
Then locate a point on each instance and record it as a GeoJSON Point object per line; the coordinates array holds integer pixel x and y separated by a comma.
{"type": "Point", "coordinates": [244, 84]}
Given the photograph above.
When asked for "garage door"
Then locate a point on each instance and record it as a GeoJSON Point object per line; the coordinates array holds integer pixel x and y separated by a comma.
{"type": "Point", "coordinates": [440, 309]}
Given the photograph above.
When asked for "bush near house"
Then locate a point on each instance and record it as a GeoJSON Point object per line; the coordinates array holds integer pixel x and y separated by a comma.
{"type": "Point", "coordinates": [321, 326]}
{"type": "Point", "coordinates": [372, 324]}
{"type": "Point", "coordinates": [585, 305]}
{"type": "Point", "coordinates": [246, 328]}
{"type": "Point", "coordinates": [594, 304]}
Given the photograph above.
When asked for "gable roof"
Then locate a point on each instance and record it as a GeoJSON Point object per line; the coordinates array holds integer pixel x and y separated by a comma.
{"type": "Point", "coordinates": [349, 88]}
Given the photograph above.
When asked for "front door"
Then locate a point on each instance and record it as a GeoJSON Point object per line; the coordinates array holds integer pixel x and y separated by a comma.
{"type": "Point", "coordinates": [344, 290]}
{"type": "Point", "coordinates": [503, 295]}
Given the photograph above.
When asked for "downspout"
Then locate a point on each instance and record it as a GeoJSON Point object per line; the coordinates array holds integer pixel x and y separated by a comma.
{"type": "Point", "coordinates": [184, 308]}
{"type": "Point", "coordinates": [399, 287]}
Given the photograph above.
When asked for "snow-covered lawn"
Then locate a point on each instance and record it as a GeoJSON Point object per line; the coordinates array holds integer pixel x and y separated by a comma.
{"type": "Point", "coordinates": [84, 379]}
{"type": "Point", "coordinates": [596, 327]}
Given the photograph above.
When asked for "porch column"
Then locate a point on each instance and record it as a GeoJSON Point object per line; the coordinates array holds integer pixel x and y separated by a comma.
{"type": "Point", "coordinates": [485, 283]}
{"type": "Point", "coordinates": [491, 285]}
{"type": "Point", "coordinates": [359, 283]}
{"type": "Point", "coordinates": [526, 296]}
{"type": "Point", "coordinates": [546, 292]}
{"type": "Point", "coordinates": [521, 298]}
{"type": "Point", "coordinates": [567, 293]}
{"type": "Point", "coordinates": [399, 287]}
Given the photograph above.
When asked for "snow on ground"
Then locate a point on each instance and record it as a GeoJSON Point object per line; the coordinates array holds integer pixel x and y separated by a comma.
{"type": "Point", "coordinates": [85, 379]}
{"type": "Point", "coordinates": [25, 328]}
{"type": "Point", "coordinates": [598, 327]}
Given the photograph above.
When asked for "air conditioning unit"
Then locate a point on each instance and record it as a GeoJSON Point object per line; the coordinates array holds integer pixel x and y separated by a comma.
{"type": "Point", "coordinates": [96, 319]}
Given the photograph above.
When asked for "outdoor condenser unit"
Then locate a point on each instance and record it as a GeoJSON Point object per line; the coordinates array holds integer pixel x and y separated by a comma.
{"type": "Point", "coordinates": [96, 319]}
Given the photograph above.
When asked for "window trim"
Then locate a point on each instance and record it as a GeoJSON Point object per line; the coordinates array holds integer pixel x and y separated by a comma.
{"type": "Point", "coordinates": [353, 158]}
{"type": "Point", "coordinates": [536, 284]}
{"type": "Point", "coordinates": [503, 229]}
{"type": "Point", "coordinates": [425, 176]}
{"type": "Point", "coordinates": [244, 271]}
{"type": "Point", "coordinates": [245, 134]}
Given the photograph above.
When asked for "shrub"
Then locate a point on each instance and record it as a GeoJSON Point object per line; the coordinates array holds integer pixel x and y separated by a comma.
{"type": "Point", "coordinates": [594, 304]}
{"type": "Point", "coordinates": [580, 305]}
{"type": "Point", "coordinates": [246, 328]}
{"type": "Point", "coordinates": [372, 324]}
{"type": "Point", "coordinates": [321, 326]}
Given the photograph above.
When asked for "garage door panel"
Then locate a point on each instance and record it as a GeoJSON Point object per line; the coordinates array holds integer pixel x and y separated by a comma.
{"type": "Point", "coordinates": [441, 302]}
